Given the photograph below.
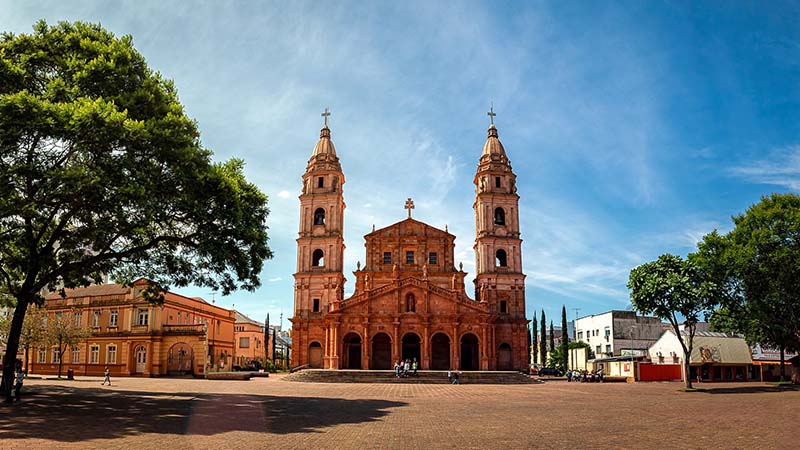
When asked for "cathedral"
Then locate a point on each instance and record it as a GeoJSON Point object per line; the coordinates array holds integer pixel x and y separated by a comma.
{"type": "Point", "coordinates": [410, 299]}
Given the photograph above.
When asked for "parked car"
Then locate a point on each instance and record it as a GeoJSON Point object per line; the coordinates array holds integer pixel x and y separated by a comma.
{"type": "Point", "coordinates": [549, 371]}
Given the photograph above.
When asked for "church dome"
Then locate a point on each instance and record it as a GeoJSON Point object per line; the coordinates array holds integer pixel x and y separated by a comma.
{"type": "Point", "coordinates": [493, 146]}
{"type": "Point", "coordinates": [324, 145]}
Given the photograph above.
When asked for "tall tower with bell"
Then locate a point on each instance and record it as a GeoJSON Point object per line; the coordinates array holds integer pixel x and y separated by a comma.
{"type": "Point", "coordinates": [499, 281]}
{"type": "Point", "coordinates": [319, 277]}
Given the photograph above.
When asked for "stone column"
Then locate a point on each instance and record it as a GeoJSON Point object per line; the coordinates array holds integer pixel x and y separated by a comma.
{"type": "Point", "coordinates": [396, 343]}
{"type": "Point", "coordinates": [425, 354]}
{"type": "Point", "coordinates": [485, 347]}
{"type": "Point", "coordinates": [365, 348]}
{"type": "Point", "coordinates": [455, 349]}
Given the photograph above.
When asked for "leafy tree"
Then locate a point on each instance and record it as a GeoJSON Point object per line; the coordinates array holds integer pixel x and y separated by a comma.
{"type": "Point", "coordinates": [675, 290]}
{"type": "Point", "coordinates": [33, 330]}
{"type": "Point", "coordinates": [756, 265]}
{"type": "Point", "coordinates": [534, 330]}
{"type": "Point", "coordinates": [101, 171]}
{"type": "Point", "coordinates": [63, 331]}
{"type": "Point", "coordinates": [556, 359]}
{"type": "Point", "coordinates": [564, 336]}
{"type": "Point", "coordinates": [543, 341]}
{"type": "Point", "coordinates": [552, 338]}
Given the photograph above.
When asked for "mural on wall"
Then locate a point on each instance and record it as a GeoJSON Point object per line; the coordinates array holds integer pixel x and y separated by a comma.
{"type": "Point", "coordinates": [710, 354]}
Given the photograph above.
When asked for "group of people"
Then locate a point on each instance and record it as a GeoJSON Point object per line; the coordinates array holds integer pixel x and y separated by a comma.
{"type": "Point", "coordinates": [584, 376]}
{"type": "Point", "coordinates": [453, 375]}
{"type": "Point", "coordinates": [402, 368]}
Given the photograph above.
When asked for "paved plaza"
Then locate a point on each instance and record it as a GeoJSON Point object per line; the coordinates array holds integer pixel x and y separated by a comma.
{"type": "Point", "coordinates": [272, 413]}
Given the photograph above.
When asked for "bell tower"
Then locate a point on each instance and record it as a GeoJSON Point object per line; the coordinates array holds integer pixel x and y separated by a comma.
{"type": "Point", "coordinates": [319, 276]}
{"type": "Point", "coordinates": [498, 247]}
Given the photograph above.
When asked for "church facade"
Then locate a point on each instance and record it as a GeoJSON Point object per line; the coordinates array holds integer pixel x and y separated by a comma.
{"type": "Point", "coordinates": [410, 299]}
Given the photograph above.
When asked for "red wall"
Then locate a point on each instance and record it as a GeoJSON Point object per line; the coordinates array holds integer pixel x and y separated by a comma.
{"type": "Point", "coordinates": [659, 372]}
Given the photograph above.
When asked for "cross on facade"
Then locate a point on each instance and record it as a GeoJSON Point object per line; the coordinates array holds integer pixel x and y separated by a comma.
{"type": "Point", "coordinates": [325, 115]}
{"type": "Point", "coordinates": [409, 206]}
{"type": "Point", "coordinates": [491, 113]}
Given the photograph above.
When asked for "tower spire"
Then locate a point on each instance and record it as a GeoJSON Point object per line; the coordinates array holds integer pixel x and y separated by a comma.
{"type": "Point", "coordinates": [491, 114]}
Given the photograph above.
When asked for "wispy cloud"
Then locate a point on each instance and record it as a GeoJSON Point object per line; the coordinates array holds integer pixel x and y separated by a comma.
{"type": "Point", "coordinates": [781, 168]}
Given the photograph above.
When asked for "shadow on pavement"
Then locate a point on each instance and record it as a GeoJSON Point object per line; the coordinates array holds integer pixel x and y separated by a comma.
{"type": "Point", "coordinates": [67, 414]}
{"type": "Point", "coordinates": [758, 389]}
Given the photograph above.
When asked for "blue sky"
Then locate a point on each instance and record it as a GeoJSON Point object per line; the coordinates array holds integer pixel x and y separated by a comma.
{"type": "Point", "coordinates": [634, 127]}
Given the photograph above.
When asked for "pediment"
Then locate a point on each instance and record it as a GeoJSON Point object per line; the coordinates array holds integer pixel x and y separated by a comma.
{"type": "Point", "coordinates": [442, 301]}
{"type": "Point", "coordinates": [409, 227]}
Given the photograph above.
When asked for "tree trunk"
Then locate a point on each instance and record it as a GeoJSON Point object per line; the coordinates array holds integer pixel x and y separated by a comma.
{"type": "Point", "coordinates": [688, 370]}
{"type": "Point", "coordinates": [27, 347]}
{"type": "Point", "coordinates": [60, 358]}
{"type": "Point", "coordinates": [783, 372]}
{"type": "Point", "coordinates": [12, 346]}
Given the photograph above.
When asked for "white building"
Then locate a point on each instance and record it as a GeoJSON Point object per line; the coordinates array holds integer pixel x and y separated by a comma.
{"type": "Point", "coordinates": [718, 356]}
{"type": "Point", "coordinates": [616, 333]}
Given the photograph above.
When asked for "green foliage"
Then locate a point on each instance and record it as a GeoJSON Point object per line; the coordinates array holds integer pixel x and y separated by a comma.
{"type": "Point", "coordinates": [552, 338]}
{"type": "Point", "coordinates": [757, 265]}
{"type": "Point", "coordinates": [535, 338]}
{"type": "Point", "coordinates": [63, 331]}
{"type": "Point", "coordinates": [102, 172]}
{"type": "Point", "coordinates": [543, 340]}
{"type": "Point", "coordinates": [675, 290]}
{"type": "Point", "coordinates": [557, 359]}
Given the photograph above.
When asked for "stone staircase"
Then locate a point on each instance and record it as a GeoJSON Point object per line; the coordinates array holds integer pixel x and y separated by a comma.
{"type": "Point", "coordinates": [423, 377]}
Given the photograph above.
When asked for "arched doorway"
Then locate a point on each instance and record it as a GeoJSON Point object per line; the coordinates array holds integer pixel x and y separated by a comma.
{"type": "Point", "coordinates": [411, 347]}
{"type": "Point", "coordinates": [180, 360]}
{"type": "Point", "coordinates": [315, 355]}
{"type": "Point", "coordinates": [351, 351]}
{"type": "Point", "coordinates": [141, 359]}
{"type": "Point", "coordinates": [440, 352]}
{"type": "Point", "coordinates": [504, 360]}
{"type": "Point", "coordinates": [381, 352]}
{"type": "Point", "coordinates": [469, 352]}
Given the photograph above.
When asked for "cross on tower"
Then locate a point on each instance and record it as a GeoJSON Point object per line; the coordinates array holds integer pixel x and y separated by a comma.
{"type": "Point", "coordinates": [325, 115]}
{"type": "Point", "coordinates": [491, 113]}
{"type": "Point", "coordinates": [409, 206]}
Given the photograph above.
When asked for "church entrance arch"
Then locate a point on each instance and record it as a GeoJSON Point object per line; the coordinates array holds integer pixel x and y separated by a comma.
{"type": "Point", "coordinates": [351, 351]}
{"type": "Point", "coordinates": [504, 361]}
{"type": "Point", "coordinates": [180, 359]}
{"type": "Point", "coordinates": [315, 355]}
{"type": "Point", "coordinates": [381, 352]}
{"type": "Point", "coordinates": [440, 352]}
{"type": "Point", "coordinates": [411, 345]}
{"type": "Point", "coordinates": [469, 352]}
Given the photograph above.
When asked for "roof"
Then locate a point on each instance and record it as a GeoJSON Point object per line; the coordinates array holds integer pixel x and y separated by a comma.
{"type": "Point", "coordinates": [724, 348]}
{"type": "Point", "coordinates": [324, 145]}
{"type": "Point", "coordinates": [241, 318]}
{"type": "Point", "coordinates": [89, 291]}
{"type": "Point", "coordinates": [493, 146]}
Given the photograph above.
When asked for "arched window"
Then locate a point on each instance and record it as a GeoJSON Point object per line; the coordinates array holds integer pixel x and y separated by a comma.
{"type": "Point", "coordinates": [499, 216]}
{"type": "Point", "coordinates": [501, 260]}
{"type": "Point", "coordinates": [319, 217]}
{"type": "Point", "coordinates": [411, 303]}
{"type": "Point", "coordinates": [318, 258]}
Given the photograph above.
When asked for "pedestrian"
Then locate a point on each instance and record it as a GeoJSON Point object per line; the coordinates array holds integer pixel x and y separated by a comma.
{"type": "Point", "coordinates": [107, 379]}
{"type": "Point", "coordinates": [20, 376]}
{"type": "Point", "coordinates": [406, 367]}
{"type": "Point", "coordinates": [569, 376]}
{"type": "Point", "coordinates": [449, 377]}
{"type": "Point", "coordinates": [456, 376]}
{"type": "Point", "coordinates": [397, 369]}
{"type": "Point", "coordinates": [414, 366]}
{"type": "Point", "coordinates": [600, 375]}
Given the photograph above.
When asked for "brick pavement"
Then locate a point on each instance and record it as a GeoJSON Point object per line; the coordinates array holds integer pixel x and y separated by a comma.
{"type": "Point", "coordinates": [201, 414]}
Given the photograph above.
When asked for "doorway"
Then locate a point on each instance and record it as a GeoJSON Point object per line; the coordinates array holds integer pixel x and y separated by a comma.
{"type": "Point", "coordinates": [381, 352]}
{"type": "Point", "coordinates": [469, 352]}
{"type": "Point", "coordinates": [141, 359]}
{"type": "Point", "coordinates": [411, 347]}
{"type": "Point", "coordinates": [352, 351]}
{"type": "Point", "coordinates": [440, 352]}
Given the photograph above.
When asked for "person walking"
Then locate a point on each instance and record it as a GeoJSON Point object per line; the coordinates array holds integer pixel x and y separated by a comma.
{"type": "Point", "coordinates": [406, 367]}
{"type": "Point", "coordinates": [414, 366]}
{"type": "Point", "coordinates": [107, 379]}
{"type": "Point", "coordinates": [450, 377]}
{"type": "Point", "coordinates": [20, 377]}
